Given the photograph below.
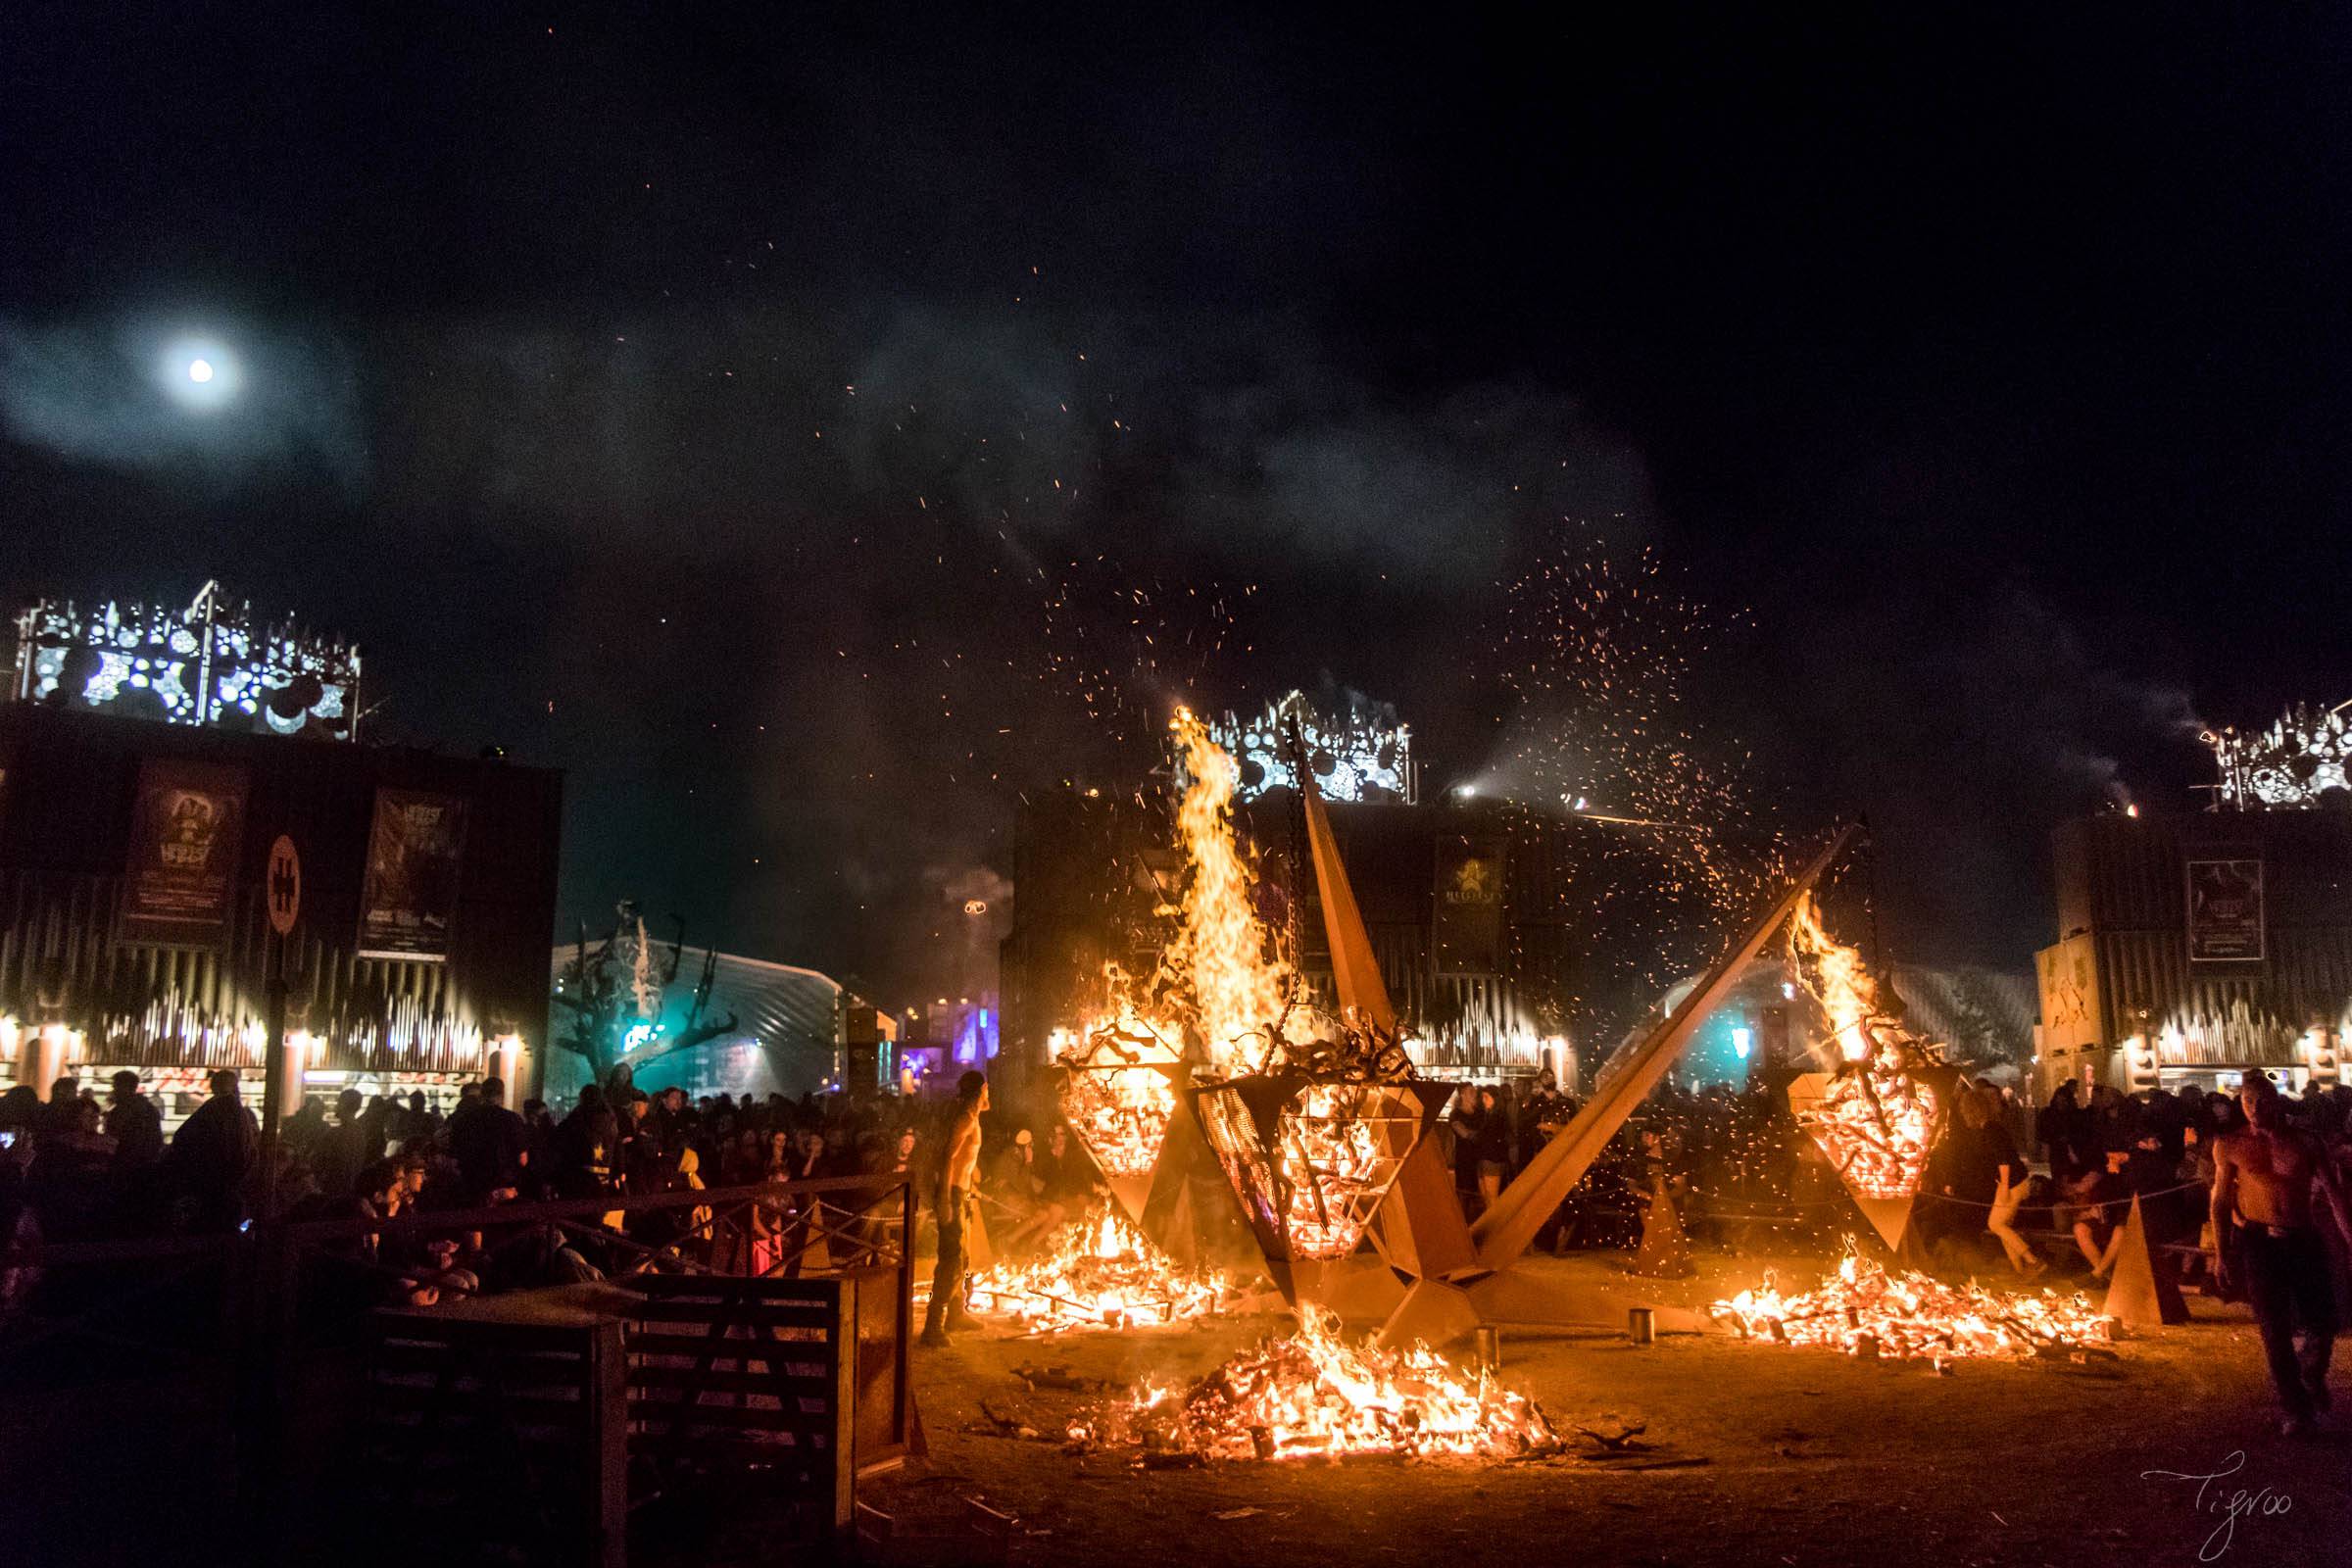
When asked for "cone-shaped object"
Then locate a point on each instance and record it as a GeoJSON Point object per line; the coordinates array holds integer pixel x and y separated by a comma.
{"type": "Point", "coordinates": [1310, 1158]}
{"type": "Point", "coordinates": [1132, 1193]}
{"type": "Point", "coordinates": [1118, 1094]}
{"type": "Point", "coordinates": [1359, 1288]}
{"type": "Point", "coordinates": [2142, 1291]}
{"type": "Point", "coordinates": [1433, 1313]}
{"type": "Point", "coordinates": [1665, 1251]}
{"type": "Point", "coordinates": [1882, 1202]}
{"type": "Point", "coordinates": [1420, 1227]}
{"type": "Point", "coordinates": [1891, 1218]}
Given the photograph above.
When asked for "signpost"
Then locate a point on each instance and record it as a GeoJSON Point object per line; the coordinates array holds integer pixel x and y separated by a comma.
{"type": "Point", "coordinates": [270, 1282]}
{"type": "Point", "coordinates": [282, 896]}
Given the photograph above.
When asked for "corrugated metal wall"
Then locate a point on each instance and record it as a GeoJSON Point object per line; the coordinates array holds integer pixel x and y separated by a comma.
{"type": "Point", "coordinates": [65, 824]}
{"type": "Point", "coordinates": [2124, 881]}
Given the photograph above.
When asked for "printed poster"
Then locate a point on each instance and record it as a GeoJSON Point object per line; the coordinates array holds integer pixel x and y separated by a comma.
{"type": "Point", "coordinates": [186, 830]}
{"type": "Point", "coordinates": [416, 846]}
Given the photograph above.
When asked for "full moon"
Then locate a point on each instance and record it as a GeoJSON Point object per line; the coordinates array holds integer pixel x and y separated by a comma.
{"type": "Point", "coordinates": [199, 372]}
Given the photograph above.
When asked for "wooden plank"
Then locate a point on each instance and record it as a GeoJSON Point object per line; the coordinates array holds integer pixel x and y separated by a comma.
{"type": "Point", "coordinates": [608, 1448]}
{"type": "Point", "coordinates": [814, 1315]}
{"type": "Point", "coordinates": [814, 1376]}
{"type": "Point", "coordinates": [809, 1413]}
{"type": "Point", "coordinates": [1511, 1222]}
{"type": "Point", "coordinates": [840, 1449]}
{"type": "Point", "coordinates": [405, 1355]}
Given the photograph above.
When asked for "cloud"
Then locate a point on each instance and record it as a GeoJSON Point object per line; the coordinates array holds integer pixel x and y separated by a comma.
{"type": "Point", "coordinates": [114, 393]}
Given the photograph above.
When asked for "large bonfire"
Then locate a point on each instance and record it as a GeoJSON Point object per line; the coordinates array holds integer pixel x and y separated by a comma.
{"type": "Point", "coordinates": [1315, 1395]}
{"type": "Point", "coordinates": [1864, 1311]}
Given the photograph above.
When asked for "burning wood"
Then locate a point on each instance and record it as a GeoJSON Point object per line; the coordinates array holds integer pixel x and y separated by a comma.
{"type": "Point", "coordinates": [1314, 1396]}
{"type": "Point", "coordinates": [1863, 1310]}
{"type": "Point", "coordinates": [1875, 1117]}
{"type": "Point", "coordinates": [1118, 1092]}
{"type": "Point", "coordinates": [1100, 1273]}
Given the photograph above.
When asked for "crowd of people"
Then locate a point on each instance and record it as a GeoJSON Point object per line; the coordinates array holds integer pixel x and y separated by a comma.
{"type": "Point", "coordinates": [2038, 1189]}
{"type": "Point", "coordinates": [79, 1167]}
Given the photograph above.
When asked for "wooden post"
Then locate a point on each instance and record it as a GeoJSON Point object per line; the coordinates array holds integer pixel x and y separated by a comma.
{"type": "Point", "coordinates": [842, 1330]}
{"type": "Point", "coordinates": [606, 1397]}
{"type": "Point", "coordinates": [1665, 1252]}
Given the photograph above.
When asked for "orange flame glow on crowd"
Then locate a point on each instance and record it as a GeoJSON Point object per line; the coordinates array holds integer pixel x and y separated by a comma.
{"type": "Point", "coordinates": [1314, 1396]}
{"type": "Point", "coordinates": [1099, 1273]}
{"type": "Point", "coordinates": [1862, 1309]}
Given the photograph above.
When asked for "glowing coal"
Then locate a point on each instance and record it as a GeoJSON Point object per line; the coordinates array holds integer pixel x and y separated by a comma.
{"type": "Point", "coordinates": [1863, 1309]}
{"type": "Point", "coordinates": [1314, 1396]}
{"type": "Point", "coordinates": [1099, 1273]}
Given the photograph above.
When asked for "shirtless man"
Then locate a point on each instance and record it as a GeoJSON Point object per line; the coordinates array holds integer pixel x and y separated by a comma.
{"type": "Point", "coordinates": [2277, 1186]}
{"type": "Point", "coordinates": [959, 1179]}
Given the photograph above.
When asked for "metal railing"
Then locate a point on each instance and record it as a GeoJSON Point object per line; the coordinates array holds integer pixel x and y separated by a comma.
{"type": "Point", "coordinates": [69, 1310]}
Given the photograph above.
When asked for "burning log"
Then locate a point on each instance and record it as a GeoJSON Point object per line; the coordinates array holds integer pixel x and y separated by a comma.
{"type": "Point", "coordinates": [1866, 1311]}
{"type": "Point", "coordinates": [1314, 1396]}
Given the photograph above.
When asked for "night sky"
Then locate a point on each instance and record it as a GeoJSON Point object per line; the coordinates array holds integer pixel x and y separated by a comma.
{"type": "Point", "coordinates": [812, 426]}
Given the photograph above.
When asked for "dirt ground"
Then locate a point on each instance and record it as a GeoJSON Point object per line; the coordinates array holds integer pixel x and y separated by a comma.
{"type": "Point", "coordinates": [1763, 1456]}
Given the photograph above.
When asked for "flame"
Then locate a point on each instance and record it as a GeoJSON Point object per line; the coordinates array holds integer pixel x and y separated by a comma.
{"type": "Point", "coordinates": [1315, 1395]}
{"type": "Point", "coordinates": [1220, 950]}
{"type": "Point", "coordinates": [1876, 1119]}
{"type": "Point", "coordinates": [1339, 1168]}
{"type": "Point", "coordinates": [1837, 980]}
{"type": "Point", "coordinates": [1100, 1273]}
{"type": "Point", "coordinates": [1862, 1308]}
{"type": "Point", "coordinates": [1877, 1122]}
{"type": "Point", "coordinates": [1116, 1092]}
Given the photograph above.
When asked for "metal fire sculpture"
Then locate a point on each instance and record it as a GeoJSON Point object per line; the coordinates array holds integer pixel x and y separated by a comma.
{"type": "Point", "coordinates": [1118, 1094]}
{"type": "Point", "coordinates": [1877, 1116]}
{"type": "Point", "coordinates": [1312, 1145]}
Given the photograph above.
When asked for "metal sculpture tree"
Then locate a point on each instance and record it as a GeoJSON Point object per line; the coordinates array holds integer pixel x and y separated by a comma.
{"type": "Point", "coordinates": [614, 984]}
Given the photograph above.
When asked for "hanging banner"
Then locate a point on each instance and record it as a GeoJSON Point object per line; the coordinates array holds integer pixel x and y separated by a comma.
{"type": "Point", "coordinates": [185, 832]}
{"type": "Point", "coordinates": [1466, 912]}
{"type": "Point", "coordinates": [2225, 911]}
{"type": "Point", "coordinates": [2072, 1017]}
{"type": "Point", "coordinates": [414, 849]}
